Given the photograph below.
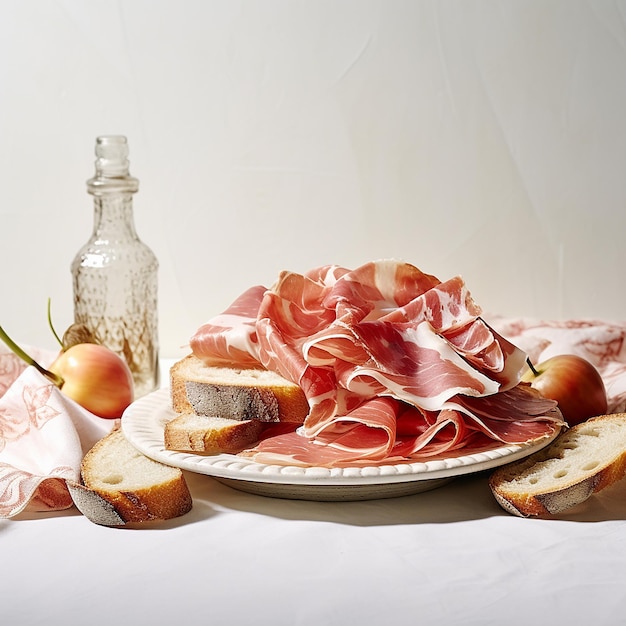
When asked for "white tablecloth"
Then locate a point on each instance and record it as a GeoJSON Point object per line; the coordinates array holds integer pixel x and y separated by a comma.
{"type": "Point", "coordinates": [447, 556]}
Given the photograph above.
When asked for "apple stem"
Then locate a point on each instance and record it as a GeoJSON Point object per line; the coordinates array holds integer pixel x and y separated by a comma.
{"type": "Point", "coordinates": [51, 325]}
{"type": "Point", "coordinates": [56, 379]}
{"type": "Point", "coordinates": [530, 365]}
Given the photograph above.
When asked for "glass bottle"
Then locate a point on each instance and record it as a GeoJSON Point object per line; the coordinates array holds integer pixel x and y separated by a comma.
{"type": "Point", "coordinates": [115, 274]}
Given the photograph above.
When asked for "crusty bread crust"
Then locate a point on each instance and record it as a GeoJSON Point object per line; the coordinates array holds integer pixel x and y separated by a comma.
{"type": "Point", "coordinates": [201, 434]}
{"type": "Point", "coordinates": [234, 393]}
{"type": "Point", "coordinates": [121, 485]}
{"type": "Point", "coordinates": [578, 463]}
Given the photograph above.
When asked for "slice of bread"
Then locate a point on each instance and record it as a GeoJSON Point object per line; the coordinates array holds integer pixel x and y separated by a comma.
{"type": "Point", "coordinates": [234, 393]}
{"type": "Point", "coordinates": [578, 463]}
{"type": "Point", "coordinates": [203, 434]}
{"type": "Point", "coordinates": [121, 485]}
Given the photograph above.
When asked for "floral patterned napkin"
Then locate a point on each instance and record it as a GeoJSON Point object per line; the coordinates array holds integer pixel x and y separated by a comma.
{"type": "Point", "coordinates": [43, 437]}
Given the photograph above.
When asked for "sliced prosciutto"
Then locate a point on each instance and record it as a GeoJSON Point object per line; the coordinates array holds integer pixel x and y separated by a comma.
{"type": "Point", "coordinates": [386, 430]}
{"type": "Point", "coordinates": [395, 365]}
{"type": "Point", "coordinates": [231, 336]}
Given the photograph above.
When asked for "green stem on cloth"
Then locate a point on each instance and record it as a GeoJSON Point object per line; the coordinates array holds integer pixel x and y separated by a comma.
{"type": "Point", "coordinates": [55, 378]}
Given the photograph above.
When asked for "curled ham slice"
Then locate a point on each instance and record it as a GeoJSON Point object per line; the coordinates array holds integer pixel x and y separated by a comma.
{"type": "Point", "coordinates": [231, 336]}
{"type": "Point", "coordinates": [395, 365]}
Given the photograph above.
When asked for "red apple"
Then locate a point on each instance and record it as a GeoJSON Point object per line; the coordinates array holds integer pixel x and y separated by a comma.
{"type": "Point", "coordinates": [573, 382]}
{"type": "Point", "coordinates": [96, 378]}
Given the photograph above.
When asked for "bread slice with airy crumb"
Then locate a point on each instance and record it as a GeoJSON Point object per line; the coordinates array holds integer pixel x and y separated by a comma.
{"type": "Point", "coordinates": [121, 485]}
{"type": "Point", "coordinates": [235, 393]}
{"type": "Point", "coordinates": [578, 463]}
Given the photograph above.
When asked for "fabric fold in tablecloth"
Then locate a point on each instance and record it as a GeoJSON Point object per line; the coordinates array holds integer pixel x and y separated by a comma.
{"type": "Point", "coordinates": [43, 438]}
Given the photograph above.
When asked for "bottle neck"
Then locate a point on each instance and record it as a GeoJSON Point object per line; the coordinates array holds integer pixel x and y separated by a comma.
{"type": "Point", "coordinates": [112, 188]}
{"type": "Point", "coordinates": [113, 217]}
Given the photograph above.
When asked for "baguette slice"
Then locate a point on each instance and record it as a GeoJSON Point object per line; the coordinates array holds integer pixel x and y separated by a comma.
{"type": "Point", "coordinates": [578, 463]}
{"type": "Point", "coordinates": [121, 485]}
{"type": "Point", "coordinates": [233, 393]}
{"type": "Point", "coordinates": [203, 434]}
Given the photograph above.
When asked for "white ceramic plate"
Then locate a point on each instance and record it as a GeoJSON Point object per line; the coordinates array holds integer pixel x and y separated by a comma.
{"type": "Point", "coordinates": [143, 424]}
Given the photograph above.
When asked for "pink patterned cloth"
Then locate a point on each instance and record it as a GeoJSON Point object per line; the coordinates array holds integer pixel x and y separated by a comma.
{"type": "Point", "coordinates": [602, 343]}
{"type": "Point", "coordinates": [43, 437]}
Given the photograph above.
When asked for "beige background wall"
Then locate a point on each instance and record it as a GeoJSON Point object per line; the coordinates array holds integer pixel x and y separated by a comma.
{"type": "Point", "coordinates": [486, 139]}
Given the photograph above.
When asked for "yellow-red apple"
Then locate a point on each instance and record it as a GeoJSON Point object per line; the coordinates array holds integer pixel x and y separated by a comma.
{"type": "Point", "coordinates": [95, 377]}
{"type": "Point", "coordinates": [573, 382]}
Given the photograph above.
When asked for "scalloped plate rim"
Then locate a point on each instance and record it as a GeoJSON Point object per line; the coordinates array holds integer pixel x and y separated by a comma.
{"type": "Point", "coordinates": [142, 424]}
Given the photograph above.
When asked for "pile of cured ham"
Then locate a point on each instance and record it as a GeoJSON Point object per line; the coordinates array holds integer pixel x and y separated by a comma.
{"type": "Point", "coordinates": [396, 365]}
